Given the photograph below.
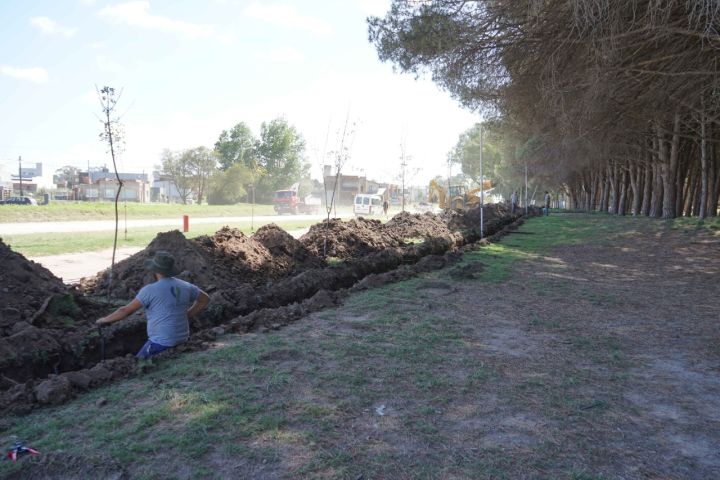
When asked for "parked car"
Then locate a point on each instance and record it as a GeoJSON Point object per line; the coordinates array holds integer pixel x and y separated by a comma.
{"type": "Point", "coordinates": [367, 204]}
{"type": "Point", "coordinates": [19, 201]}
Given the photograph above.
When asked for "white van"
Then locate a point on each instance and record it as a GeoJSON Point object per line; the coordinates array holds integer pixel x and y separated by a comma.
{"type": "Point", "coordinates": [367, 204]}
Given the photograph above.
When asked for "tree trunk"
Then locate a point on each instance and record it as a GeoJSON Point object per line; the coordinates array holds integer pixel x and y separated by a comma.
{"type": "Point", "coordinates": [647, 185]}
{"type": "Point", "coordinates": [614, 177]}
{"type": "Point", "coordinates": [669, 163]}
{"type": "Point", "coordinates": [703, 169]}
{"type": "Point", "coordinates": [635, 179]}
{"type": "Point", "coordinates": [689, 198]}
{"type": "Point", "coordinates": [657, 191]}
{"type": "Point", "coordinates": [714, 167]}
{"type": "Point", "coordinates": [605, 191]}
{"type": "Point", "coordinates": [622, 203]}
{"type": "Point", "coordinates": [711, 174]}
{"type": "Point", "coordinates": [682, 179]}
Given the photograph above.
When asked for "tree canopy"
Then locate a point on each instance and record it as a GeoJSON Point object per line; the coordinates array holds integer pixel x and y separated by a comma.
{"type": "Point", "coordinates": [606, 101]}
{"type": "Point", "coordinates": [236, 145]}
{"type": "Point", "coordinates": [280, 156]}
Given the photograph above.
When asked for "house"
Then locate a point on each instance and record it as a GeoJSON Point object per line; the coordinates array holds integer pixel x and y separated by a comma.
{"type": "Point", "coordinates": [164, 190]}
{"type": "Point", "coordinates": [24, 181]}
{"type": "Point", "coordinates": [102, 185]}
{"type": "Point", "coordinates": [5, 190]}
{"type": "Point", "coordinates": [347, 186]}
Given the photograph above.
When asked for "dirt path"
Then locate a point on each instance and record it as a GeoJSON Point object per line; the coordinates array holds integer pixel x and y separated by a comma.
{"type": "Point", "coordinates": [596, 360]}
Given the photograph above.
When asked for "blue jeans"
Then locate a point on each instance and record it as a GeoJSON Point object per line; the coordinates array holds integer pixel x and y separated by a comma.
{"type": "Point", "coordinates": [150, 349]}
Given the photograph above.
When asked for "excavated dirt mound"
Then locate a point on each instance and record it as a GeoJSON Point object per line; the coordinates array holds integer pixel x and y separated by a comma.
{"type": "Point", "coordinates": [415, 225]}
{"type": "Point", "coordinates": [24, 287]}
{"type": "Point", "coordinates": [352, 239]}
{"type": "Point", "coordinates": [232, 256]}
{"type": "Point", "coordinates": [286, 250]}
{"type": "Point", "coordinates": [271, 253]}
{"type": "Point", "coordinates": [221, 261]}
{"type": "Point", "coordinates": [130, 274]}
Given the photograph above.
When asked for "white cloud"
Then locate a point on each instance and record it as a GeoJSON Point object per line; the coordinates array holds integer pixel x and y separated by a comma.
{"type": "Point", "coordinates": [283, 55]}
{"type": "Point", "coordinates": [35, 74]}
{"type": "Point", "coordinates": [288, 16]}
{"type": "Point", "coordinates": [49, 26]}
{"type": "Point", "coordinates": [137, 14]}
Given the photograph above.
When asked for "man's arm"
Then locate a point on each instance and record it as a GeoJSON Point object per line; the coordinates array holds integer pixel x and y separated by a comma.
{"type": "Point", "coordinates": [120, 313]}
{"type": "Point", "coordinates": [202, 300]}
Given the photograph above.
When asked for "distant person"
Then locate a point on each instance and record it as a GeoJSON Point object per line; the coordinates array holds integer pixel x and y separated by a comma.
{"type": "Point", "coordinates": [169, 303]}
{"type": "Point", "coordinates": [386, 205]}
{"type": "Point", "coordinates": [513, 201]}
{"type": "Point", "coordinates": [548, 198]}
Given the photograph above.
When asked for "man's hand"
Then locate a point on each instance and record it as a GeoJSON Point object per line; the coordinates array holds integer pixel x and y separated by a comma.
{"type": "Point", "coordinates": [120, 313]}
{"type": "Point", "coordinates": [200, 303]}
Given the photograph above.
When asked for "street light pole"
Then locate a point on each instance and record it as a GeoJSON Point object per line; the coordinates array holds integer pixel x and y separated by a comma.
{"type": "Point", "coordinates": [526, 190]}
{"type": "Point", "coordinates": [403, 164]}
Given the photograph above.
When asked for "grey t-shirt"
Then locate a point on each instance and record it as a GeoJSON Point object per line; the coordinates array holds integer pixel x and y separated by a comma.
{"type": "Point", "coordinates": [166, 303]}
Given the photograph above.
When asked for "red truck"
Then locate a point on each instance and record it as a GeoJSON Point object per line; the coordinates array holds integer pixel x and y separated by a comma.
{"type": "Point", "coordinates": [288, 201]}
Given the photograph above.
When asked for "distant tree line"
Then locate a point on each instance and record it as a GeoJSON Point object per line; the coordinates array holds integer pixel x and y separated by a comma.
{"type": "Point", "coordinates": [615, 103]}
{"type": "Point", "coordinates": [239, 164]}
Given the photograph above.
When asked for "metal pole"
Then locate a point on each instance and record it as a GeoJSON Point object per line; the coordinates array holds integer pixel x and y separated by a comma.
{"type": "Point", "coordinates": [482, 187]}
{"type": "Point", "coordinates": [20, 173]}
{"type": "Point", "coordinates": [252, 209]}
{"type": "Point", "coordinates": [403, 165]}
{"type": "Point", "coordinates": [526, 190]}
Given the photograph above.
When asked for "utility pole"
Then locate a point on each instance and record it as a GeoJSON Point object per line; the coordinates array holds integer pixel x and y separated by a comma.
{"type": "Point", "coordinates": [403, 164]}
{"type": "Point", "coordinates": [20, 173]}
{"type": "Point", "coordinates": [482, 186]}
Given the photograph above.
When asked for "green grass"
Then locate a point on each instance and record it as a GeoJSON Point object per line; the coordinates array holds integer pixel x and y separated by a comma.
{"type": "Point", "coordinates": [539, 235]}
{"type": "Point", "coordinates": [61, 211]}
{"type": "Point", "coordinates": [297, 400]}
{"type": "Point", "coordinates": [36, 245]}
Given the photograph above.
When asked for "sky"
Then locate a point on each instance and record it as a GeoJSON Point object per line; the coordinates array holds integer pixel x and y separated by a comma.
{"type": "Point", "coordinates": [189, 69]}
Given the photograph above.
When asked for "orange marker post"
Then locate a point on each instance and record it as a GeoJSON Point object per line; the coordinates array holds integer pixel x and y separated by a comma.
{"type": "Point", "coordinates": [186, 223]}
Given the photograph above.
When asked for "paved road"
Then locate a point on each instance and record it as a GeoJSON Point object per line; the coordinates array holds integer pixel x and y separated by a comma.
{"type": "Point", "coordinates": [105, 225]}
{"type": "Point", "coordinates": [71, 267]}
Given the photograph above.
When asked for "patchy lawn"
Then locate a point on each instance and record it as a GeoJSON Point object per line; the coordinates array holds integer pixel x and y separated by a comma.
{"type": "Point", "coordinates": [60, 210]}
{"type": "Point", "coordinates": [581, 347]}
{"type": "Point", "coordinates": [37, 245]}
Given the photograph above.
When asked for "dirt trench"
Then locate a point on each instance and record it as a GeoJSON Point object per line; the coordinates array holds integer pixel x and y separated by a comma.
{"type": "Point", "coordinates": [258, 282]}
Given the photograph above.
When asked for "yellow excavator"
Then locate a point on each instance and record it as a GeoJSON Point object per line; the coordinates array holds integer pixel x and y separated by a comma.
{"type": "Point", "coordinates": [458, 196]}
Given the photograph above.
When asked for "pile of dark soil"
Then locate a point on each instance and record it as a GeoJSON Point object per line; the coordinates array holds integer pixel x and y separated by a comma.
{"type": "Point", "coordinates": [495, 215]}
{"type": "Point", "coordinates": [130, 274]}
{"type": "Point", "coordinates": [220, 261]}
{"type": "Point", "coordinates": [271, 253]}
{"type": "Point", "coordinates": [24, 287]}
{"type": "Point", "coordinates": [415, 225]}
{"type": "Point", "coordinates": [352, 239]}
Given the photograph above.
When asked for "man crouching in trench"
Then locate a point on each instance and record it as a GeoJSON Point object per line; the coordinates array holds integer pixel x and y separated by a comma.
{"type": "Point", "coordinates": [169, 303]}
